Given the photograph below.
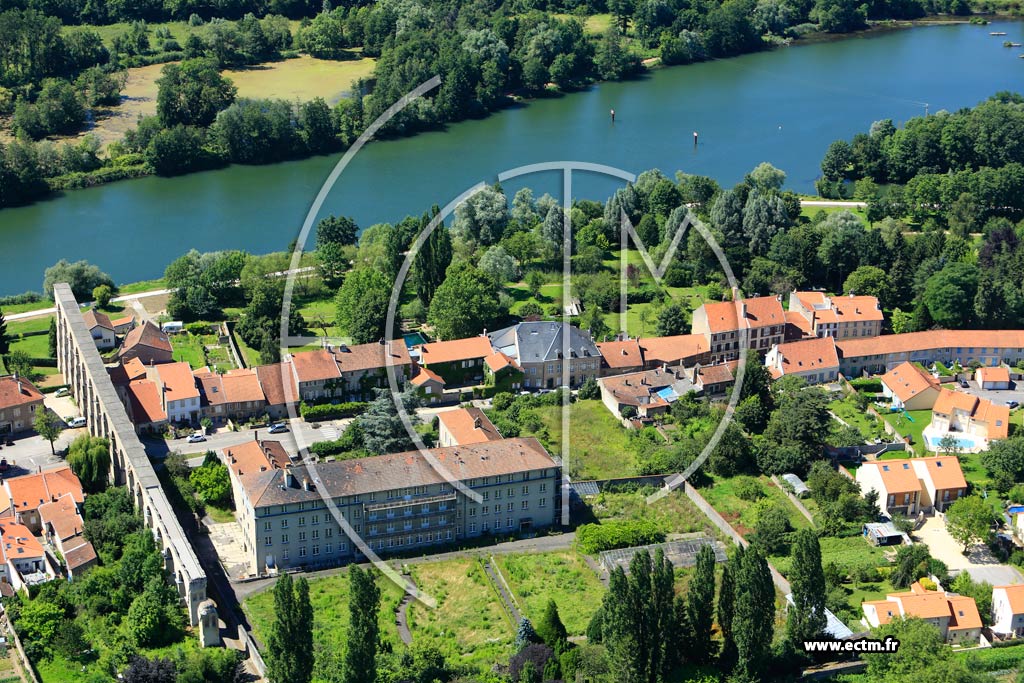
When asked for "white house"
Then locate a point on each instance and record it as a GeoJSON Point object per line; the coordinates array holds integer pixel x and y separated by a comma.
{"type": "Point", "coordinates": [955, 616]}
{"type": "Point", "coordinates": [101, 329]}
{"type": "Point", "coordinates": [179, 395]}
{"type": "Point", "coordinates": [997, 377]}
{"type": "Point", "coordinates": [1008, 610]}
{"type": "Point", "coordinates": [908, 486]}
{"type": "Point", "coordinates": [910, 387]}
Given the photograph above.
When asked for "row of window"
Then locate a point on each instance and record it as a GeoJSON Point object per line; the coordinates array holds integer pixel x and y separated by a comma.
{"type": "Point", "coordinates": [486, 526]}
{"type": "Point", "coordinates": [524, 505]}
{"type": "Point", "coordinates": [328, 550]}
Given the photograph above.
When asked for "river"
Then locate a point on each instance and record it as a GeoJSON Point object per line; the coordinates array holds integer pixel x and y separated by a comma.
{"type": "Point", "coordinates": [784, 106]}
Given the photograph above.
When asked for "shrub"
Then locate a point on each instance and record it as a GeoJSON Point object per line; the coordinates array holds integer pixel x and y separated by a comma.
{"type": "Point", "coordinates": [329, 411]}
{"type": "Point", "coordinates": [595, 538]}
{"type": "Point", "coordinates": [749, 489]}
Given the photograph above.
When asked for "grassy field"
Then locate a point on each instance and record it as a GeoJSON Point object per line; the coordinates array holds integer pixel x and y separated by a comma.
{"type": "Point", "coordinates": [302, 78]}
{"type": "Point", "coordinates": [913, 428]}
{"type": "Point", "coordinates": [600, 444]}
{"type": "Point", "coordinates": [329, 597]}
{"type": "Point", "coordinates": [811, 211]}
{"type": "Point", "coordinates": [469, 624]}
{"type": "Point", "coordinates": [189, 348]}
{"type": "Point", "coordinates": [563, 577]}
{"type": "Point", "coordinates": [740, 513]}
{"type": "Point", "coordinates": [868, 425]}
{"type": "Point", "coordinates": [674, 513]}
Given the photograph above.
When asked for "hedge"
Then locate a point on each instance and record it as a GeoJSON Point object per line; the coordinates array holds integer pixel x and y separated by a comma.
{"type": "Point", "coordinates": [867, 384]}
{"type": "Point", "coordinates": [595, 538]}
{"type": "Point", "coordinates": [328, 411]}
{"type": "Point", "coordinates": [79, 180]}
{"type": "Point", "coordinates": [23, 298]}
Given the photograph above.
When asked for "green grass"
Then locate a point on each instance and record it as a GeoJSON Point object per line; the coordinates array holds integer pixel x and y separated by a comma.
{"type": "Point", "coordinates": [189, 348]}
{"type": "Point", "coordinates": [142, 286]}
{"type": "Point", "coordinates": [25, 308]}
{"type": "Point", "coordinates": [60, 670]}
{"type": "Point", "coordinates": [914, 429]}
{"type": "Point", "coordinates": [36, 347]}
{"type": "Point", "coordinates": [329, 597]}
{"type": "Point", "coordinates": [16, 327]}
{"type": "Point", "coordinates": [220, 515]}
{"type": "Point", "coordinates": [600, 447]}
{"type": "Point", "coordinates": [810, 211]}
{"type": "Point", "coordinates": [674, 513]}
{"type": "Point", "coordinates": [469, 624]}
{"type": "Point", "coordinates": [740, 513]}
{"type": "Point", "coordinates": [847, 552]}
{"type": "Point", "coordinates": [180, 30]}
{"type": "Point", "coordinates": [250, 356]}
{"type": "Point", "coordinates": [563, 577]}
{"type": "Point", "coordinates": [869, 426]}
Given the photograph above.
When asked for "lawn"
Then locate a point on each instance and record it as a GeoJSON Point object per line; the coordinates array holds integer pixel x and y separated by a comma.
{"type": "Point", "coordinates": [25, 308]}
{"type": "Point", "coordinates": [740, 513]}
{"type": "Point", "coordinates": [469, 624]}
{"type": "Point", "coordinates": [329, 597]}
{"type": "Point", "coordinates": [143, 286]}
{"type": "Point", "coordinates": [600, 444]}
{"type": "Point", "coordinates": [810, 211]}
{"type": "Point", "coordinates": [563, 577]}
{"type": "Point", "coordinates": [595, 24]}
{"type": "Point", "coordinates": [303, 78]}
{"type": "Point", "coordinates": [189, 348]}
{"type": "Point", "coordinates": [914, 427]}
{"type": "Point", "coordinates": [325, 309]}
{"type": "Point", "coordinates": [848, 553]}
{"type": "Point", "coordinates": [550, 295]}
{"type": "Point", "coordinates": [868, 425]}
{"type": "Point", "coordinates": [16, 327]}
{"type": "Point", "coordinates": [250, 356]}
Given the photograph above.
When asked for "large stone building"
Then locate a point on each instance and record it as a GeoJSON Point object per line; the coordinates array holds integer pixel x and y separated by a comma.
{"type": "Point", "coordinates": [877, 355]}
{"type": "Point", "coordinates": [390, 503]}
{"type": "Point", "coordinates": [540, 349]}
{"type": "Point", "coordinates": [760, 320]}
{"type": "Point", "coordinates": [839, 317]}
{"type": "Point", "coordinates": [349, 372]}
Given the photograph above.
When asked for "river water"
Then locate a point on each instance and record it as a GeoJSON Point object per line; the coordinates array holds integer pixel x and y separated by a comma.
{"type": "Point", "coordinates": [783, 106]}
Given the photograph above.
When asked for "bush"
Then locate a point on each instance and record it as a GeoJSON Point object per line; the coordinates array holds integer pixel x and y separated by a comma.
{"type": "Point", "coordinates": [595, 538]}
{"type": "Point", "coordinates": [749, 489]}
{"type": "Point", "coordinates": [590, 390]}
{"type": "Point", "coordinates": [328, 411]}
{"type": "Point", "coordinates": [867, 384]}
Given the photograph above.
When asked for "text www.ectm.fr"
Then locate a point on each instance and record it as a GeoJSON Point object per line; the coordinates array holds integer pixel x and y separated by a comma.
{"type": "Point", "coordinates": [889, 645]}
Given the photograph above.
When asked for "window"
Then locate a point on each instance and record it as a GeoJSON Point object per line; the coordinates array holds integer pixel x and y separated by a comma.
{"type": "Point", "coordinates": [284, 555]}
{"type": "Point", "coordinates": [485, 526]}
{"type": "Point", "coordinates": [316, 534]}
{"type": "Point", "coordinates": [508, 522]}
{"type": "Point", "coordinates": [497, 494]}
{"type": "Point", "coordinates": [329, 533]}
{"type": "Point", "coordinates": [472, 512]}
{"type": "Point", "coordinates": [267, 540]}
{"type": "Point", "coordinates": [284, 538]}
{"type": "Point", "coordinates": [472, 528]}
{"type": "Point", "coordinates": [302, 551]}
{"type": "Point", "coordinates": [316, 550]}
{"type": "Point", "coordinates": [543, 503]}
{"type": "Point", "coordinates": [284, 523]}
{"type": "Point", "coordinates": [526, 490]}
{"type": "Point", "coordinates": [316, 519]}
{"type": "Point", "coordinates": [302, 536]}
{"type": "Point", "coordinates": [511, 492]}
{"type": "Point", "coordinates": [509, 507]}
{"type": "Point", "coordinates": [448, 535]}
{"type": "Point", "coordinates": [543, 487]}
{"type": "Point", "coordinates": [487, 495]}
{"type": "Point", "coordinates": [266, 526]}
{"type": "Point", "coordinates": [328, 549]}
{"type": "Point", "coordinates": [526, 505]}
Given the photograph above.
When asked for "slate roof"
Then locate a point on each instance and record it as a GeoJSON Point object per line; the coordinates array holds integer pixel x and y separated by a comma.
{"type": "Point", "coordinates": [542, 341]}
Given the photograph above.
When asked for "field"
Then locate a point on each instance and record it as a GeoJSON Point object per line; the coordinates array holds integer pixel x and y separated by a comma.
{"type": "Point", "coordinates": [600, 444]}
{"type": "Point", "coordinates": [563, 577]}
{"type": "Point", "coordinates": [674, 513]}
{"type": "Point", "coordinates": [299, 79]}
{"type": "Point", "coordinates": [740, 513]}
{"type": "Point", "coordinates": [329, 597]}
{"type": "Point", "coordinates": [469, 624]}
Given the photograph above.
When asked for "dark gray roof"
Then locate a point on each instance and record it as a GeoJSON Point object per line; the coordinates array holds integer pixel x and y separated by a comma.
{"type": "Point", "coordinates": [541, 341]}
{"type": "Point", "coordinates": [395, 471]}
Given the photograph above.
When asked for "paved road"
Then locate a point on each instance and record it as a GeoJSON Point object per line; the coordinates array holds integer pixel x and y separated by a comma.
{"type": "Point", "coordinates": [32, 453]}
{"type": "Point", "coordinates": [158, 448]}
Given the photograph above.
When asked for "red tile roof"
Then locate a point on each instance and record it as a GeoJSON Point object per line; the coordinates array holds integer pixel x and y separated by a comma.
{"type": "Point", "coordinates": [932, 339]}
{"type": "Point", "coordinates": [839, 309]}
{"type": "Point", "coordinates": [144, 398]}
{"type": "Point", "coordinates": [425, 375]}
{"type": "Point", "coordinates": [622, 354]}
{"type": "Point", "coordinates": [498, 361]}
{"type": "Point", "coordinates": [674, 349]}
{"type": "Point", "coordinates": [907, 380]}
{"type": "Point", "coordinates": [17, 391]}
{"type": "Point", "coordinates": [898, 476]}
{"type": "Point", "coordinates": [18, 542]}
{"type": "Point", "coordinates": [255, 456]}
{"type": "Point", "coordinates": [762, 311]}
{"type": "Point", "coordinates": [62, 515]}
{"type": "Point", "coordinates": [1015, 596]}
{"type": "Point", "coordinates": [242, 386]}
{"type": "Point", "coordinates": [808, 355]}
{"type": "Point", "coordinates": [178, 382]}
{"type": "Point", "coordinates": [455, 350]}
{"type": "Point", "coordinates": [147, 334]}
{"type": "Point", "coordinates": [29, 491]}
{"type": "Point", "coordinates": [999, 373]}
{"type": "Point", "coordinates": [82, 554]}
{"type": "Point", "coordinates": [372, 356]}
{"type": "Point", "coordinates": [94, 318]}
{"type": "Point", "coordinates": [944, 471]}
{"type": "Point", "coordinates": [272, 381]}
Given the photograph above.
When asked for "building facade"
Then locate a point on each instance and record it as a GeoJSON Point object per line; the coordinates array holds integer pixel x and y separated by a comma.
{"type": "Point", "coordinates": [19, 399]}
{"type": "Point", "coordinates": [726, 324]}
{"type": "Point", "coordinates": [546, 351]}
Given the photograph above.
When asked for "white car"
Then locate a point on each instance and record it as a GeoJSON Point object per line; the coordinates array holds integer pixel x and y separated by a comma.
{"type": "Point", "coordinates": [63, 391]}
{"type": "Point", "coordinates": [196, 437]}
{"type": "Point", "coordinates": [76, 422]}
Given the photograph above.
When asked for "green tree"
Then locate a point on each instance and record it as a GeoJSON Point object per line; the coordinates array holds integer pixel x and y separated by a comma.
{"type": "Point", "coordinates": [672, 320]}
{"type": "Point", "coordinates": [102, 295]}
{"type": "Point", "coordinates": [806, 617]}
{"type": "Point", "coordinates": [89, 458]}
{"type": "Point", "coordinates": [336, 230]}
{"type": "Point", "coordinates": [869, 281]}
{"type": "Point", "coordinates": [946, 291]}
{"type": "Point", "coordinates": [534, 282]}
{"type": "Point", "coordinates": [5, 343]}
{"type": "Point", "coordinates": [1004, 462]}
{"type": "Point", "coordinates": [499, 265]}
{"type": "Point", "coordinates": [212, 483]}
{"type": "Point", "coordinates": [383, 431]}
{"type": "Point", "coordinates": [432, 261]}
{"type": "Point", "coordinates": [754, 614]}
{"type": "Point", "coordinates": [82, 276]}
{"type": "Point", "coordinates": [969, 520]}
{"type": "Point", "coordinates": [551, 629]}
{"type": "Point", "coordinates": [47, 425]}
{"type": "Point", "coordinates": [362, 304]}
{"type": "Point", "coordinates": [290, 641]}
{"type": "Point", "coordinates": [700, 606]}
{"type": "Point", "coordinates": [191, 93]}
{"type": "Point", "coordinates": [725, 610]}
{"type": "Point", "coordinates": [465, 304]}
{"type": "Point", "coordinates": [360, 664]}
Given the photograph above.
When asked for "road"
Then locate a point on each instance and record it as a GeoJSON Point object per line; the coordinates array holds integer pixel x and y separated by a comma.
{"type": "Point", "coordinates": [224, 438]}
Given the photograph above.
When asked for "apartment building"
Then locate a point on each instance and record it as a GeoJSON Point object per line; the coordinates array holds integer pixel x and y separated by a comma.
{"type": "Point", "coordinates": [392, 503]}
{"type": "Point", "coordinates": [841, 317]}
{"type": "Point", "coordinates": [176, 386]}
{"type": "Point", "coordinates": [538, 348]}
{"type": "Point", "coordinates": [877, 355]}
{"type": "Point", "coordinates": [724, 325]}
{"type": "Point", "coordinates": [349, 372]}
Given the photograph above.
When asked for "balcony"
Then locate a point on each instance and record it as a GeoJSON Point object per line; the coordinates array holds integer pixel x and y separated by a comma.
{"type": "Point", "coordinates": [390, 506]}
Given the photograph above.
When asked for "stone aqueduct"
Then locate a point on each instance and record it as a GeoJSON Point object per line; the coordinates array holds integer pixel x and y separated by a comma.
{"type": "Point", "coordinates": [84, 372]}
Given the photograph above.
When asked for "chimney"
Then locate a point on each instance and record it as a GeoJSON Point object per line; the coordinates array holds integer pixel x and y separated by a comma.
{"type": "Point", "coordinates": [21, 388]}
{"type": "Point", "coordinates": [476, 422]}
{"type": "Point", "coordinates": [306, 484]}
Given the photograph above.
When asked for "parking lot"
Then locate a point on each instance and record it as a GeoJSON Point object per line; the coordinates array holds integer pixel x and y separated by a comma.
{"type": "Point", "coordinates": [979, 563]}
{"type": "Point", "coordinates": [997, 396]}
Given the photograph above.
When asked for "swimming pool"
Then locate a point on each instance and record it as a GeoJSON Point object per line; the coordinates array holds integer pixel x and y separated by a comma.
{"type": "Point", "coordinates": [413, 339]}
{"type": "Point", "coordinates": [963, 442]}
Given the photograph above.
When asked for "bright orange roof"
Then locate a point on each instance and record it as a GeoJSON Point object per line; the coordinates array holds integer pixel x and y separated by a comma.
{"type": "Point", "coordinates": [906, 381]}
{"type": "Point", "coordinates": [499, 361]}
{"type": "Point", "coordinates": [944, 471]}
{"type": "Point", "coordinates": [455, 350]}
{"type": "Point", "coordinates": [29, 491]}
{"type": "Point", "coordinates": [144, 397]}
{"type": "Point", "coordinates": [886, 610]}
{"type": "Point", "coordinates": [311, 366]}
{"type": "Point", "coordinates": [680, 347]}
{"type": "Point", "coordinates": [808, 354]}
{"type": "Point", "coordinates": [18, 542]}
{"type": "Point", "coordinates": [995, 416]}
{"type": "Point", "coordinates": [797, 319]}
{"type": "Point", "coordinates": [425, 375]}
{"type": "Point", "coordinates": [621, 354]}
{"type": "Point", "coordinates": [998, 373]}
{"type": "Point", "coordinates": [761, 311]}
{"type": "Point", "coordinates": [254, 456]}
{"type": "Point", "coordinates": [949, 400]}
{"type": "Point", "coordinates": [468, 425]}
{"type": "Point", "coordinates": [838, 309]}
{"type": "Point", "coordinates": [17, 392]}
{"type": "Point", "coordinates": [1015, 596]}
{"type": "Point", "coordinates": [964, 613]}
{"type": "Point", "coordinates": [242, 386]}
{"type": "Point", "coordinates": [933, 339]}
{"type": "Point", "coordinates": [62, 515]}
{"type": "Point", "coordinates": [898, 476]}
{"type": "Point", "coordinates": [178, 382]}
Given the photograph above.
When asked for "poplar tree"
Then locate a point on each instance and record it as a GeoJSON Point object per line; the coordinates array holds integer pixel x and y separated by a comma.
{"type": "Point", "coordinates": [4, 344]}
{"type": "Point", "coordinates": [551, 629]}
{"type": "Point", "coordinates": [360, 661]}
{"type": "Point", "coordinates": [290, 642]}
{"type": "Point", "coordinates": [700, 601]}
{"type": "Point", "coordinates": [754, 615]}
{"type": "Point", "coordinates": [806, 618]}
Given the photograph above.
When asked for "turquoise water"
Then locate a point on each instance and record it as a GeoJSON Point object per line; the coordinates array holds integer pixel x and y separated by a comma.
{"type": "Point", "coordinates": [414, 339]}
{"type": "Point", "coordinates": [962, 442]}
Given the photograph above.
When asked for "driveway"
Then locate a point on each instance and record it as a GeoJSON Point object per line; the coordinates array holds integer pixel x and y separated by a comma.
{"type": "Point", "coordinates": [997, 396]}
{"type": "Point", "coordinates": [224, 438]}
{"type": "Point", "coordinates": [979, 563]}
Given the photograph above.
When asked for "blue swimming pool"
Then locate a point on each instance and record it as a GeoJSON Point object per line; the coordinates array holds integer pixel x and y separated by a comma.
{"type": "Point", "coordinates": [414, 339]}
{"type": "Point", "coordinates": [963, 442]}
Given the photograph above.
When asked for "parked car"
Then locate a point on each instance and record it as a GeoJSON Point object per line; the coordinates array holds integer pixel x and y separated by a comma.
{"type": "Point", "coordinates": [278, 428]}
{"type": "Point", "coordinates": [965, 384]}
{"type": "Point", "coordinates": [63, 391]}
{"type": "Point", "coordinates": [1012, 404]}
{"type": "Point", "coordinates": [75, 422]}
{"type": "Point", "coordinates": [196, 437]}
